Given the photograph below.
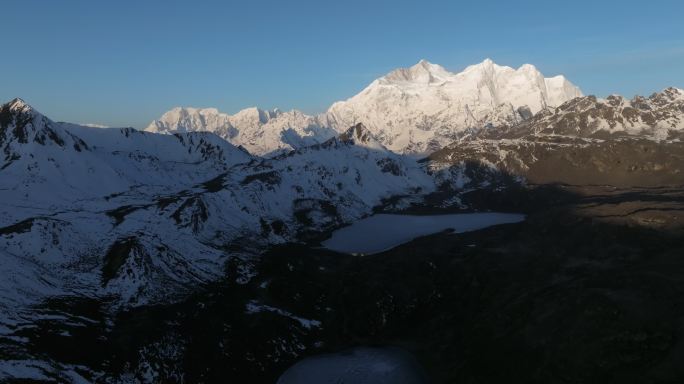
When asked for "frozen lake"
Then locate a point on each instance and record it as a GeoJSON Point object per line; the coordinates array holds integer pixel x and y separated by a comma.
{"type": "Point", "coordinates": [357, 366]}
{"type": "Point", "coordinates": [381, 232]}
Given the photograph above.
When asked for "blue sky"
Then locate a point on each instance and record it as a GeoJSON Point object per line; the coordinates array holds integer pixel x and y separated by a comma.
{"type": "Point", "coordinates": [123, 63]}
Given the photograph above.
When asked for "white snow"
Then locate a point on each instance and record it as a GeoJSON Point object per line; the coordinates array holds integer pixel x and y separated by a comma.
{"type": "Point", "coordinates": [61, 182]}
{"type": "Point", "coordinates": [381, 232]}
{"type": "Point", "coordinates": [260, 132]}
{"type": "Point", "coordinates": [410, 110]}
{"type": "Point", "coordinates": [424, 107]}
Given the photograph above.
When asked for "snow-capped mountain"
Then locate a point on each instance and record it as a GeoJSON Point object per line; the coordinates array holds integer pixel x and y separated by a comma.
{"type": "Point", "coordinates": [410, 110]}
{"type": "Point", "coordinates": [260, 132]}
{"type": "Point", "coordinates": [66, 188]}
{"type": "Point", "coordinates": [425, 107]}
{"type": "Point", "coordinates": [134, 218]}
{"type": "Point", "coordinates": [125, 219]}
{"type": "Point", "coordinates": [80, 163]}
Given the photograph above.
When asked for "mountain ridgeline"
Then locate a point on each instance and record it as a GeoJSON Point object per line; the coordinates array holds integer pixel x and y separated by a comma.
{"type": "Point", "coordinates": [109, 233]}
{"type": "Point", "coordinates": [584, 141]}
{"type": "Point", "coordinates": [412, 110]}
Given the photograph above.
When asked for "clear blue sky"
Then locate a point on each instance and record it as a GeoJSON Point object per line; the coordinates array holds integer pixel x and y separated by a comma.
{"type": "Point", "coordinates": [123, 63]}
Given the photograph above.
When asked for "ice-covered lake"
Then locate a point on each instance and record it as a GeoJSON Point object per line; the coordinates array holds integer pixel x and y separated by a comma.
{"type": "Point", "coordinates": [358, 366]}
{"type": "Point", "coordinates": [381, 232]}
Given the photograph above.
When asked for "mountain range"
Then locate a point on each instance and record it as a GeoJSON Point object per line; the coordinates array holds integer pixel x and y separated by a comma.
{"type": "Point", "coordinates": [133, 219]}
{"type": "Point", "coordinates": [412, 110]}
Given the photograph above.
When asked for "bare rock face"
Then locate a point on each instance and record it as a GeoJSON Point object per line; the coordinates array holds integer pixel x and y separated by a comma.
{"type": "Point", "coordinates": [659, 116]}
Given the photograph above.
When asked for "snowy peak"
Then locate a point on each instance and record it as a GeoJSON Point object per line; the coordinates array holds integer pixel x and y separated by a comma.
{"type": "Point", "coordinates": [486, 66]}
{"type": "Point", "coordinates": [261, 132]}
{"type": "Point", "coordinates": [489, 70]}
{"type": "Point", "coordinates": [254, 115]}
{"type": "Point", "coordinates": [425, 107]}
{"type": "Point", "coordinates": [357, 133]}
{"type": "Point", "coordinates": [15, 120]}
{"type": "Point", "coordinates": [21, 124]}
{"type": "Point", "coordinates": [360, 135]}
{"type": "Point", "coordinates": [423, 72]}
{"type": "Point", "coordinates": [668, 95]}
{"type": "Point", "coordinates": [522, 87]}
{"type": "Point", "coordinates": [187, 119]}
{"type": "Point", "coordinates": [27, 134]}
{"type": "Point", "coordinates": [19, 105]}
{"type": "Point", "coordinates": [16, 109]}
